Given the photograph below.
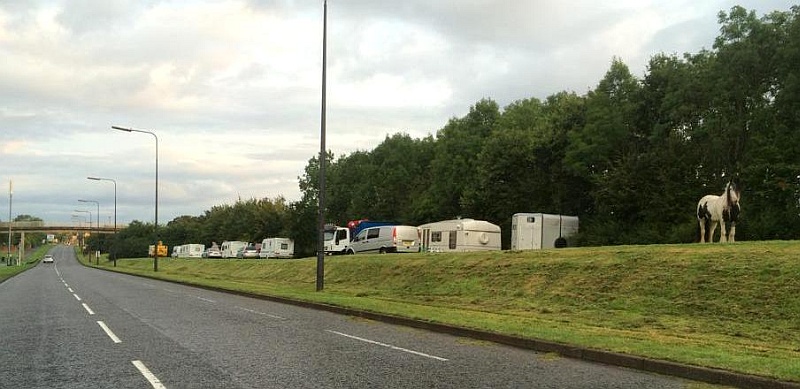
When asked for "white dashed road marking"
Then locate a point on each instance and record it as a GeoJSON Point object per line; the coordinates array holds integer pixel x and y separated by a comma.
{"type": "Point", "coordinates": [86, 307]}
{"type": "Point", "coordinates": [108, 332]}
{"type": "Point", "coordinates": [388, 346]}
{"type": "Point", "coordinates": [262, 313]}
{"type": "Point", "coordinates": [149, 375]}
{"type": "Point", "coordinates": [76, 297]}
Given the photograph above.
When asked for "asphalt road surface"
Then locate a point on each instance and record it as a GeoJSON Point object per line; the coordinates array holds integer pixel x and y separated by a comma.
{"type": "Point", "coordinates": [63, 325]}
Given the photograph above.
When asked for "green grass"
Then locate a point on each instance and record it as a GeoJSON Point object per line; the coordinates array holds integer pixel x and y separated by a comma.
{"type": "Point", "coordinates": [734, 306]}
{"type": "Point", "coordinates": [32, 259]}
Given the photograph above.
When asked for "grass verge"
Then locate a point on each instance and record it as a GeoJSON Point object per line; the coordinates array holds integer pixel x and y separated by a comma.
{"type": "Point", "coordinates": [733, 307]}
{"type": "Point", "coordinates": [32, 259]}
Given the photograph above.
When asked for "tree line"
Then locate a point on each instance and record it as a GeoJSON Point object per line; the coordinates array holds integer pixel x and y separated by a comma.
{"type": "Point", "coordinates": [631, 157]}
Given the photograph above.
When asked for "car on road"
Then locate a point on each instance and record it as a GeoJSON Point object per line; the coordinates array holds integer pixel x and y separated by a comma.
{"type": "Point", "coordinates": [48, 259]}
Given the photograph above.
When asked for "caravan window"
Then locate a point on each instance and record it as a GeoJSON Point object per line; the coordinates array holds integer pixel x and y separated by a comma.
{"type": "Point", "coordinates": [436, 236]}
{"type": "Point", "coordinates": [373, 233]}
{"type": "Point", "coordinates": [284, 246]}
{"type": "Point", "coordinates": [453, 238]}
{"type": "Point", "coordinates": [531, 219]}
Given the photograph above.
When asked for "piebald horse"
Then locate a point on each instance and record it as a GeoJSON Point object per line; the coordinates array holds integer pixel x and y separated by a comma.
{"type": "Point", "coordinates": [713, 209]}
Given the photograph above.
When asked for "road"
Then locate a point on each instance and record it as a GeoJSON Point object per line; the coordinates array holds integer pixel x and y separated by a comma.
{"type": "Point", "coordinates": [63, 325]}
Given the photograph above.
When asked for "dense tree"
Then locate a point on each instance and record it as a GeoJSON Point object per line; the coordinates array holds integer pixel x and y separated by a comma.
{"type": "Point", "coordinates": [630, 157]}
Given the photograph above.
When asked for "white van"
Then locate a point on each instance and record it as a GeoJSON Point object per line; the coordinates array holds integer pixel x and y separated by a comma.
{"type": "Point", "coordinates": [386, 239]}
{"type": "Point", "coordinates": [277, 248]}
{"type": "Point", "coordinates": [229, 248]}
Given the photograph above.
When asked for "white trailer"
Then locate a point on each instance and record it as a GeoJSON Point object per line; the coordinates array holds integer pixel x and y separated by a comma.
{"type": "Point", "coordinates": [229, 248]}
{"type": "Point", "coordinates": [533, 231]}
{"type": "Point", "coordinates": [460, 235]}
{"type": "Point", "coordinates": [277, 248]}
{"type": "Point", "coordinates": [191, 250]}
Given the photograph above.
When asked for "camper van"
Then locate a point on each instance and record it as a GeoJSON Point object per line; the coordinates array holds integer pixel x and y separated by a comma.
{"type": "Point", "coordinates": [229, 248]}
{"type": "Point", "coordinates": [277, 248]}
{"type": "Point", "coordinates": [460, 235]}
{"type": "Point", "coordinates": [533, 231]}
{"type": "Point", "coordinates": [385, 239]}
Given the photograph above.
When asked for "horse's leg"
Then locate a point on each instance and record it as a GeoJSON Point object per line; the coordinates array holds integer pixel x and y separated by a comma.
{"type": "Point", "coordinates": [711, 229]}
{"type": "Point", "coordinates": [733, 232]}
{"type": "Point", "coordinates": [702, 223]}
{"type": "Point", "coordinates": [723, 235]}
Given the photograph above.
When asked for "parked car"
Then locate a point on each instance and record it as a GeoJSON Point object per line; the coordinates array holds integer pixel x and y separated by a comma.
{"type": "Point", "coordinates": [212, 252]}
{"type": "Point", "coordinates": [249, 251]}
{"type": "Point", "coordinates": [48, 259]}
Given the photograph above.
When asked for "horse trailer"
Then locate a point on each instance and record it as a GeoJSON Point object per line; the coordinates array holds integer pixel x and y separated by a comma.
{"type": "Point", "coordinates": [460, 235]}
{"type": "Point", "coordinates": [277, 248]}
{"type": "Point", "coordinates": [533, 231]}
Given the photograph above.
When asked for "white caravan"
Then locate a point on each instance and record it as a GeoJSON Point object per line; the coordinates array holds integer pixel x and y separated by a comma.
{"type": "Point", "coordinates": [460, 235]}
{"type": "Point", "coordinates": [277, 248]}
{"type": "Point", "coordinates": [191, 250]}
{"type": "Point", "coordinates": [229, 248]}
{"type": "Point", "coordinates": [533, 231]}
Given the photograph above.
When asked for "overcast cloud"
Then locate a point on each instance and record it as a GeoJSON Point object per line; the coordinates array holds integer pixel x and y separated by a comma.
{"type": "Point", "coordinates": [232, 88]}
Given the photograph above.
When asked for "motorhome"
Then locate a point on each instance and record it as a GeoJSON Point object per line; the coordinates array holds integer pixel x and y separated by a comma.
{"type": "Point", "coordinates": [277, 248]}
{"type": "Point", "coordinates": [386, 239]}
{"type": "Point", "coordinates": [533, 231]}
{"type": "Point", "coordinates": [460, 235]}
{"type": "Point", "coordinates": [229, 248]}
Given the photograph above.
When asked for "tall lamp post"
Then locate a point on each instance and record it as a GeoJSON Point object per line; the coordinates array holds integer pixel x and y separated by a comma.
{"type": "Point", "coordinates": [97, 203]}
{"type": "Point", "coordinates": [155, 224]}
{"type": "Point", "coordinates": [90, 223]}
{"type": "Point", "coordinates": [114, 254]}
{"type": "Point", "coordinates": [10, 196]}
{"type": "Point", "coordinates": [322, 160]}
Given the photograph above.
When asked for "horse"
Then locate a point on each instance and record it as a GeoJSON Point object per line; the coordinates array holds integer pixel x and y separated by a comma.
{"type": "Point", "coordinates": [720, 210]}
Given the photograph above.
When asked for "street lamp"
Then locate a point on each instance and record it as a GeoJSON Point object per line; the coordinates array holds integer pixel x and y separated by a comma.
{"type": "Point", "coordinates": [320, 281]}
{"type": "Point", "coordinates": [90, 224]}
{"type": "Point", "coordinates": [114, 254]}
{"type": "Point", "coordinates": [97, 256]}
{"type": "Point", "coordinates": [10, 197]}
{"type": "Point", "coordinates": [155, 224]}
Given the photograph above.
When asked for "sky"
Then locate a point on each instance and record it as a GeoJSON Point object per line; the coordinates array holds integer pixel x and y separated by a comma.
{"type": "Point", "coordinates": [232, 89]}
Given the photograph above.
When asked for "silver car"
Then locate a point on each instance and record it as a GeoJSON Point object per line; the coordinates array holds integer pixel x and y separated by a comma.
{"type": "Point", "coordinates": [48, 259]}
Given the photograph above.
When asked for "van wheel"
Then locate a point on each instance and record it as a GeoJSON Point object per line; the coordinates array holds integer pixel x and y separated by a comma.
{"type": "Point", "coordinates": [350, 252]}
{"type": "Point", "coordinates": [382, 251]}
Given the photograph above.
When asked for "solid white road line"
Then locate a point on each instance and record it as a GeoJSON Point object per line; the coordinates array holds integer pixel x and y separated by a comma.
{"type": "Point", "coordinates": [86, 307]}
{"type": "Point", "coordinates": [76, 296]}
{"type": "Point", "coordinates": [149, 375]}
{"type": "Point", "coordinates": [388, 346]}
{"type": "Point", "coordinates": [261, 313]}
{"type": "Point", "coordinates": [108, 332]}
{"type": "Point", "coordinates": [206, 300]}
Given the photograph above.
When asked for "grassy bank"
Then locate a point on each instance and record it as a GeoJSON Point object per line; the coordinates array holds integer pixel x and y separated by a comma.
{"type": "Point", "coordinates": [31, 259]}
{"type": "Point", "coordinates": [735, 307]}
